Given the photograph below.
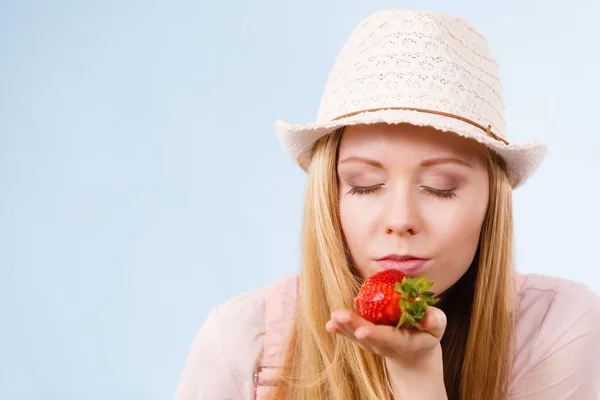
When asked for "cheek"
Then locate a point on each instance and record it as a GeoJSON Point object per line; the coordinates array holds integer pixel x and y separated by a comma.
{"type": "Point", "coordinates": [358, 225]}
{"type": "Point", "coordinates": [458, 222]}
{"type": "Point", "coordinates": [457, 231]}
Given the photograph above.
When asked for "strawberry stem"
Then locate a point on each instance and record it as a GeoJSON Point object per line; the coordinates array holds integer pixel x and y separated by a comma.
{"type": "Point", "coordinates": [414, 301]}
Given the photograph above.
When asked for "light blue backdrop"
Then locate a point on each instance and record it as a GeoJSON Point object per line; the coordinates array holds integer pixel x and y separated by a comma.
{"type": "Point", "coordinates": [141, 183]}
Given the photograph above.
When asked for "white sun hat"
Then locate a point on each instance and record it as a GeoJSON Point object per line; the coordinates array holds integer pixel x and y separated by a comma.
{"type": "Point", "coordinates": [421, 68]}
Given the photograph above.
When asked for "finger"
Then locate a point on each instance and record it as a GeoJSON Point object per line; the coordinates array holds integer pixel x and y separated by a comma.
{"type": "Point", "coordinates": [349, 319]}
{"type": "Point", "coordinates": [331, 327]}
{"type": "Point", "coordinates": [434, 322]}
{"type": "Point", "coordinates": [387, 340]}
{"type": "Point", "coordinates": [338, 324]}
{"type": "Point", "coordinates": [335, 328]}
{"type": "Point", "coordinates": [381, 339]}
{"type": "Point", "coordinates": [393, 342]}
{"type": "Point", "coordinates": [347, 323]}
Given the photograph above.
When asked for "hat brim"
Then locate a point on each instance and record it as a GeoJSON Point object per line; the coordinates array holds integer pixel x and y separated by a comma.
{"type": "Point", "coordinates": [521, 160]}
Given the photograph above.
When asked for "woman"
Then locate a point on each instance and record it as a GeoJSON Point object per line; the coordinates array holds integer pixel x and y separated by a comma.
{"type": "Point", "coordinates": [408, 168]}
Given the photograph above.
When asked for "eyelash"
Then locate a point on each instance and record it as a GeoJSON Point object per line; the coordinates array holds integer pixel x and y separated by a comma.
{"type": "Point", "coordinates": [445, 194]}
{"type": "Point", "coordinates": [363, 190]}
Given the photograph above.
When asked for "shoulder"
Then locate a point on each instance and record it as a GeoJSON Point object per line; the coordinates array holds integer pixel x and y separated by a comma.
{"type": "Point", "coordinates": [551, 296]}
{"type": "Point", "coordinates": [558, 324]}
{"type": "Point", "coordinates": [242, 311]}
{"type": "Point", "coordinates": [248, 310]}
{"type": "Point", "coordinates": [239, 325]}
{"type": "Point", "coordinates": [231, 339]}
{"type": "Point", "coordinates": [555, 305]}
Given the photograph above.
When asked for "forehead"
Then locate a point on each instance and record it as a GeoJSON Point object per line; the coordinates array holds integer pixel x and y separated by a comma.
{"type": "Point", "coordinates": [407, 141]}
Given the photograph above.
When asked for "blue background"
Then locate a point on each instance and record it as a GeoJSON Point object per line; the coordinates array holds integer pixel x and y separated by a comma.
{"type": "Point", "coordinates": [141, 183]}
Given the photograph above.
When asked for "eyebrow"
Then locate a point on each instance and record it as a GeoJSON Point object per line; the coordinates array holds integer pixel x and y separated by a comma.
{"type": "Point", "coordinates": [427, 163]}
{"type": "Point", "coordinates": [445, 160]}
{"type": "Point", "coordinates": [368, 161]}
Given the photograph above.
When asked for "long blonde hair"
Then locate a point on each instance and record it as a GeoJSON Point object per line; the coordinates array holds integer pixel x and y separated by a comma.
{"type": "Point", "coordinates": [477, 345]}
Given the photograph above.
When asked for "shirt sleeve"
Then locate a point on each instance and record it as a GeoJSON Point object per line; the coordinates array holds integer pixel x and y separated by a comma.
{"type": "Point", "coordinates": [221, 360]}
{"type": "Point", "coordinates": [566, 363]}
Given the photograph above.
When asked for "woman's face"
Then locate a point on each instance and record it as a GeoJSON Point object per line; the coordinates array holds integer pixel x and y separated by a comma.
{"type": "Point", "coordinates": [412, 191]}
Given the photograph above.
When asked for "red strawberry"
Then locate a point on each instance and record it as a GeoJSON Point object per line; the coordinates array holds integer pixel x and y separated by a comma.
{"type": "Point", "coordinates": [389, 297]}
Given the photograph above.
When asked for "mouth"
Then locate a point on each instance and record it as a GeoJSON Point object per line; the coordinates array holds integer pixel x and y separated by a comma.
{"type": "Point", "coordinates": [396, 257]}
{"type": "Point", "coordinates": [405, 263]}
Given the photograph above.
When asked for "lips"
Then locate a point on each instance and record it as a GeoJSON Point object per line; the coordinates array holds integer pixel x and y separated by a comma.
{"type": "Point", "coordinates": [407, 263]}
{"type": "Point", "coordinates": [397, 257]}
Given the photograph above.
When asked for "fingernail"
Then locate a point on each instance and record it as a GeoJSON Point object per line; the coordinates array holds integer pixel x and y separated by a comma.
{"type": "Point", "coordinates": [342, 317]}
{"type": "Point", "coordinates": [441, 318]}
{"type": "Point", "coordinates": [329, 326]}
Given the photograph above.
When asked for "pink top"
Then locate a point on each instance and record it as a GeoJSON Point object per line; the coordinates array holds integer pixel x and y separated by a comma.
{"type": "Point", "coordinates": [557, 343]}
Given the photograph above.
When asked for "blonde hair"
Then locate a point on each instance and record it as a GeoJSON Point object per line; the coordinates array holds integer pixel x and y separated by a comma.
{"type": "Point", "coordinates": [477, 345]}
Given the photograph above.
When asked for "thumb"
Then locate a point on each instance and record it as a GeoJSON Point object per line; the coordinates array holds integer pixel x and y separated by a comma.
{"type": "Point", "coordinates": [434, 322]}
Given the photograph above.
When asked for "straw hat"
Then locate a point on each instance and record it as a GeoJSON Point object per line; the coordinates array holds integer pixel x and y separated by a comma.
{"type": "Point", "coordinates": [422, 68]}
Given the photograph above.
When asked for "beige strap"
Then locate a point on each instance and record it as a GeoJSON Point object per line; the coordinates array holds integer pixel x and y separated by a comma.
{"type": "Point", "coordinates": [487, 130]}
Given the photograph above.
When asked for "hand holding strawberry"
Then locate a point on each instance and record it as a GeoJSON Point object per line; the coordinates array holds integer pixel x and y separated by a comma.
{"type": "Point", "coordinates": [390, 298]}
{"type": "Point", "coordinates": [395, 318]}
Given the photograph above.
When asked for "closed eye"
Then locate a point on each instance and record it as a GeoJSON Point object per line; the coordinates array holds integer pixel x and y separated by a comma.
{"type": "Point", "coordinates": [445, 194]}
{"type": "Point", "coordinates": [364, 189]}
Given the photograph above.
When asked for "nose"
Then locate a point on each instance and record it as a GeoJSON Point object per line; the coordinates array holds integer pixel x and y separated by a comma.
{"type": "Point", "coordinates": [402, 214]}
